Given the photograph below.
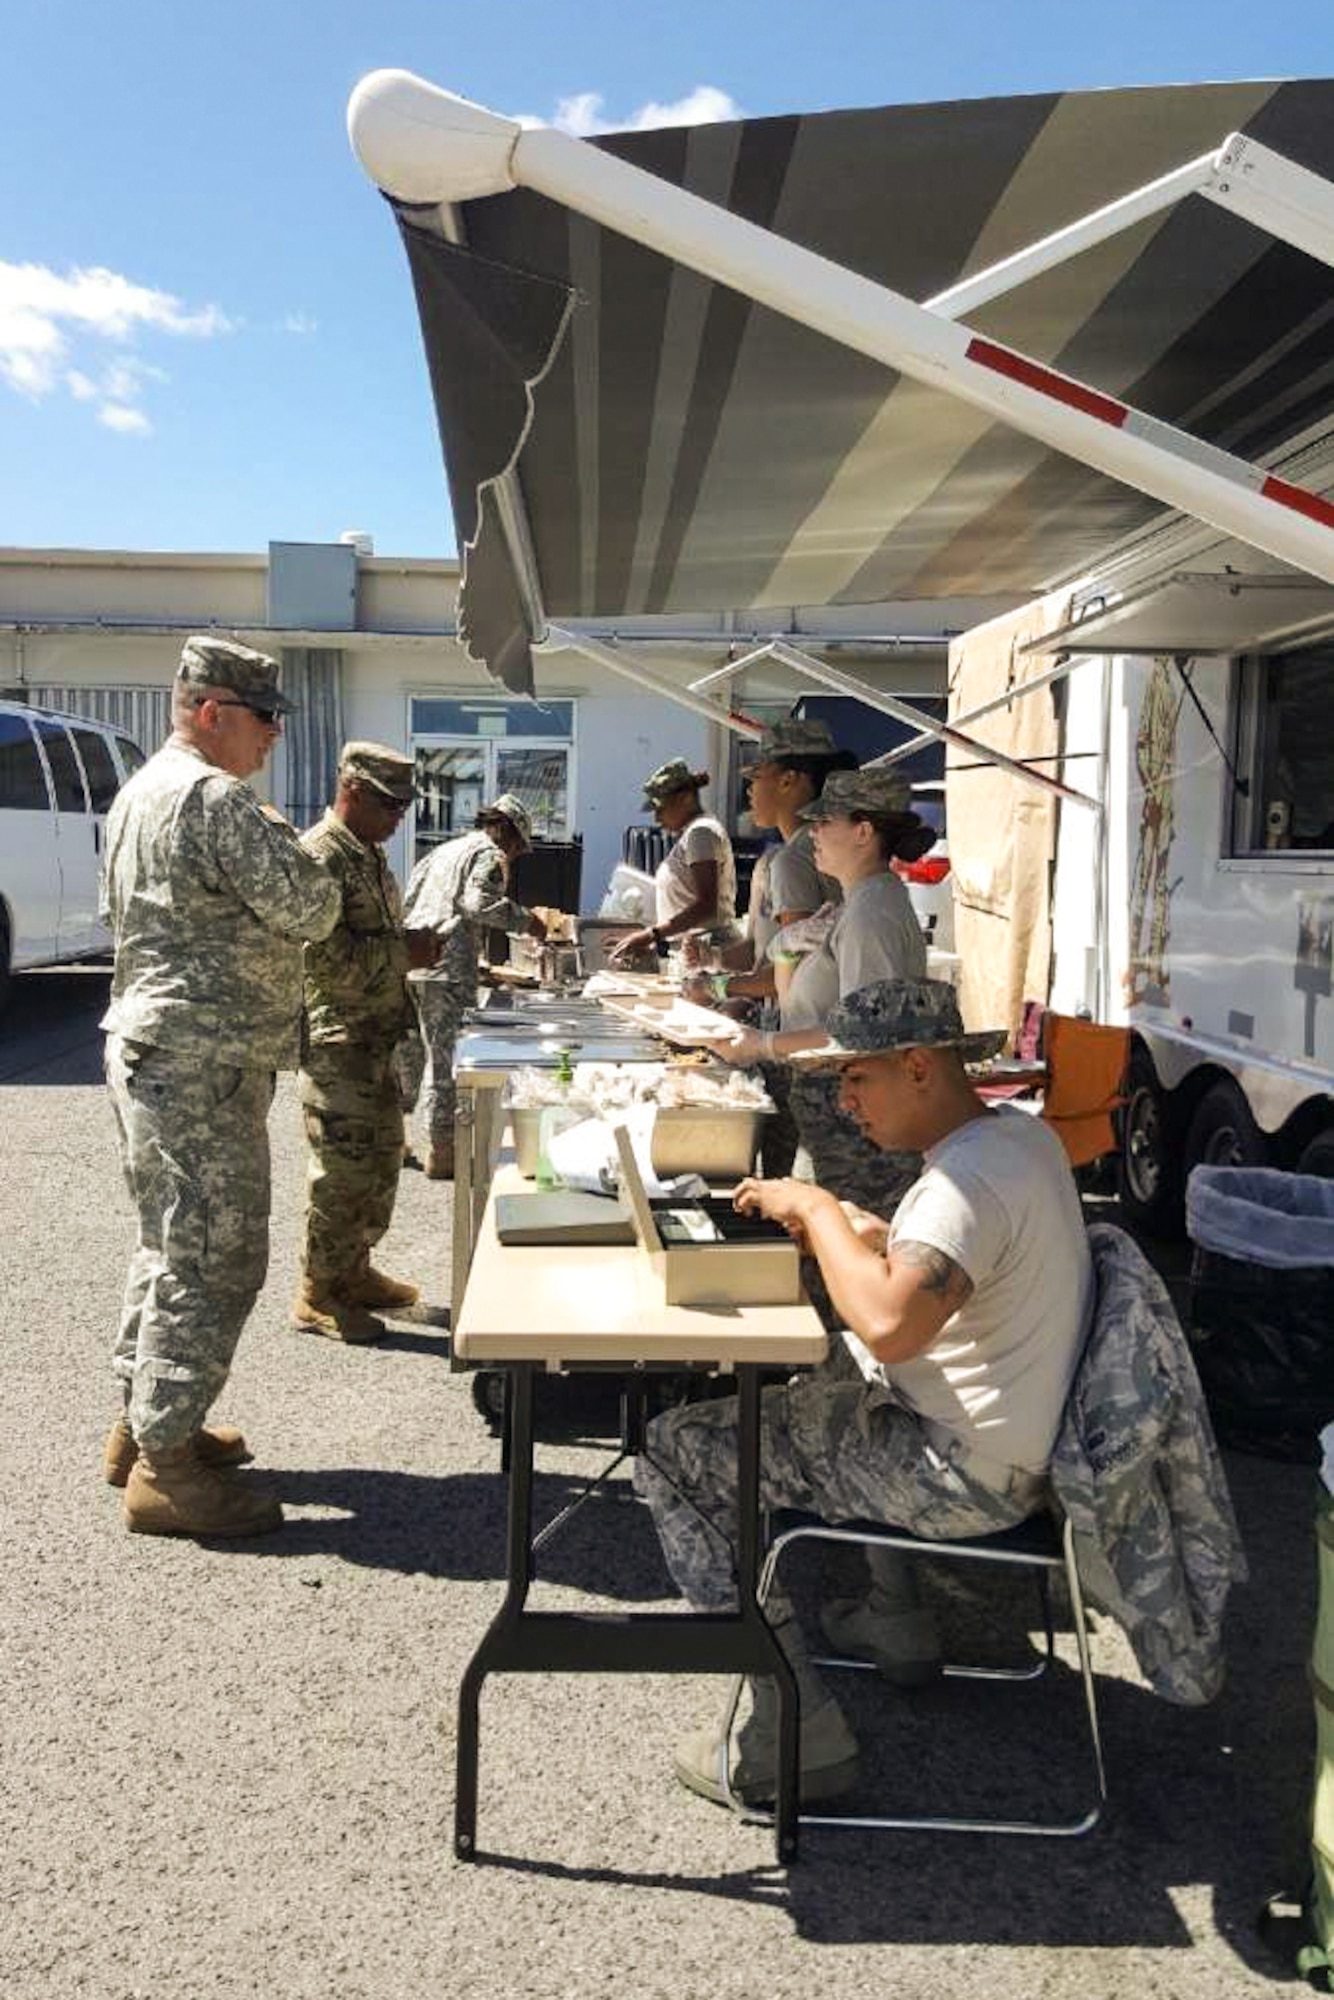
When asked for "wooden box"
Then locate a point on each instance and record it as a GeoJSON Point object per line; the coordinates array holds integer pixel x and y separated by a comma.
{"type": "Point", "coordinates": [757, 1270]}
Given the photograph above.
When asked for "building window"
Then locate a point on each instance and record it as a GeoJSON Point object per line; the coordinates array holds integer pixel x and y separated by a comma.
{"type": "Point", "coordinates": [468, 750]}
{"type": "Point", "coordinates": [1285, 748]}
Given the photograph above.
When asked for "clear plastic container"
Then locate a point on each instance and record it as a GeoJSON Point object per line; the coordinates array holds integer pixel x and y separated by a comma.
{"type": "Point", "coordinates": [554, 1118]}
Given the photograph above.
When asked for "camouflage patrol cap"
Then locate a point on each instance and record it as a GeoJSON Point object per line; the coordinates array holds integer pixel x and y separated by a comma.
{"type": "Point", "coordinates": [510, 808]}
{"type": "Point", "coordinates": [795, 737]}
{"type": "Point", "coordinates": [893, 1014]}
{"type": "Point", "coordinates": [673, 776]}
{"type": "Point", "coordinates": [871, 790]}
{"type": "Point", "coordinates": [252, 677]}
{"type": "Point", "coordinates": [384, 770]}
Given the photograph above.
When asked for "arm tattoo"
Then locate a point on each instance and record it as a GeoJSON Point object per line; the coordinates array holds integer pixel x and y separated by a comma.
{"type": "Point", "coordinates": [943, 1276]}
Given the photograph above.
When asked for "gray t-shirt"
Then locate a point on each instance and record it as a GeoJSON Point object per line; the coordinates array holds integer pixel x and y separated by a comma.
{"type": "Point", "coordinates": [786, 878]}
{"type": "Point", "coordinates": [999, 1198]}
{"type": "Point", "coordinates": [875, 935]}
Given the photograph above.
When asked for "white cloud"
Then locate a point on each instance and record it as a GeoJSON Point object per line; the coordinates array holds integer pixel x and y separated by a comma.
{"type": "Point", "coordinates": [121, 417]}
{"type": "Point", "coordinates": [582, 117]}
{"type": "Point", "coordinates": [45, 315]}
{"type": "Point", "coordinates": [300, 323]}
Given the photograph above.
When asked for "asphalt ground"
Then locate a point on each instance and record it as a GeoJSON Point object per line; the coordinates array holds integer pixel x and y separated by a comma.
{"type": "Point", "coordinates": [227, 1769]}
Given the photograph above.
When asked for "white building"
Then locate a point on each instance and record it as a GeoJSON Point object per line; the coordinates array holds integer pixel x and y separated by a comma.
{"type": "Point", "coordinates": [369, 649]}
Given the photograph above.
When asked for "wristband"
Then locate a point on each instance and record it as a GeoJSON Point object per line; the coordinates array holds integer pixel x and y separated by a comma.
{"type": "Point", "coordinates": [655, 933]}
{"type": "Point", "coordinates": [718, 981]}
{"type": "Point", "coordinates": [767, 1051]}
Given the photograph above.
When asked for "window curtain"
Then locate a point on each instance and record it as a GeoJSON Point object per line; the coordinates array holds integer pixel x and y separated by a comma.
{"type": "Point", "coordinates": [312, 677]}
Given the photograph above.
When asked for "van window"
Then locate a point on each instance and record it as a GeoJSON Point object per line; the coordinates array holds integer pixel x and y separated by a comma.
{"type": "Point", "coordinates": [22, 779]}
{"type": "Point", "coordinates": [64, 767]}
{"type": "Point", "coordinates": [131, 756]}
{"type": "Point", "coordinates": [1288, 726]}
{"type": "Point", "coordinates": [99, 767]}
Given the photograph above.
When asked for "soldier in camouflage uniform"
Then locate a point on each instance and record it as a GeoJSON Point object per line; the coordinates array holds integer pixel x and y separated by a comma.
{"type": "Point", "coordinates": [939, 1412]}
{"type": "Point", "coordinates": [210, 898]}
{"type": "Point", "coordinates": [460, 891]}
{"type": "Point", "coordinates": [357, 1008]}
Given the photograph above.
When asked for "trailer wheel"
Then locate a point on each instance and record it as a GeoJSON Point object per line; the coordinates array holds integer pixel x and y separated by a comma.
{"type": "Point", "coordinates": [1317, 1156]}
{"type": "Point", "coordinates": [1149, 1180]}
{"type": "Point", "coordinates": [1223, 1133]}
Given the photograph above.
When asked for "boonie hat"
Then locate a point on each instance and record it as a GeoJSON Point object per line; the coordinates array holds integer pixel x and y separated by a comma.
{"type": "Point", "coordinates": [870, 790]}
{"type": "Point", "coordinates": [507, 806]}
{"type": "Point", "coordinates": [795, 737]}
{"type": "Point", "coordinates": [673, 776]}
{"type": "Point", "coordinates": [384, 770]}
{"type": "Point", "coordinates": [252, 677]}
{"type": "Point", "coordinates": [893, 1014]}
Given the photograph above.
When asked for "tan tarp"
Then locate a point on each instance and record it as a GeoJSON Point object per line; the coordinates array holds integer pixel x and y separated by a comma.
{"type": "Point", "coordinates": [1002, 831]}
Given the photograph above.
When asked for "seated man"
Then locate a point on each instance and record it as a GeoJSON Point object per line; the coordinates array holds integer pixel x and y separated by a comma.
{"type": "Point", "coordinates": [966, 1316]}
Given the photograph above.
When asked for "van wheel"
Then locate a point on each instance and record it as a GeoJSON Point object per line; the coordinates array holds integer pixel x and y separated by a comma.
{"type": "Point", "coordinates": [1149, 1181]}
{"type": "Point", "coordinates": [6, 971]}
{"type": "Point", "coordinates": [1223, 1133]}
{"type": "Point", "coordinates": [1317, 1155]}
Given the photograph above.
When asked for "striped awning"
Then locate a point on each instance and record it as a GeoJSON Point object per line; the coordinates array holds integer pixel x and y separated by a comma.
{"type": "Point", "coordinates": [678, 448]}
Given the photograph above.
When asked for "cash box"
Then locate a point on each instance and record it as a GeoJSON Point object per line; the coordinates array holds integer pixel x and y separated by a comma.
{"type": "Point", "coordinates": [705, 1253]}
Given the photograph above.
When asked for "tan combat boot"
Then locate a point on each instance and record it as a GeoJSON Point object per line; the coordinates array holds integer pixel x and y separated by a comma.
{"type": "Point", "coordinates": [221, 1444]}
{"type": "Point", "coordinates": [365, 1286]}
{"type": "Point", "coordinates": [440, 1160]}
{"type": "Point", "coordinates": [171, 1492]}
{"type": "Point", "coordinates": [337, 1319]}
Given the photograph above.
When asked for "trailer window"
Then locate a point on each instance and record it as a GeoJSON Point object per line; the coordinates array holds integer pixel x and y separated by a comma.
{"type": "Point", "coordinates": [1288, 715]}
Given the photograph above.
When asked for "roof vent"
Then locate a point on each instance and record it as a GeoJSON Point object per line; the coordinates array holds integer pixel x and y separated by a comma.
{"type": "Point", "coordinates": [358, 539]}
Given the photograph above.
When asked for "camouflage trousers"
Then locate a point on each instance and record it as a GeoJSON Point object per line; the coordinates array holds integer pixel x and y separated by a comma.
{"type": "Point", "coordinates": [354, 1130]}
{"type": "Point", "coordinates": [832, 1444]}
{"type": "Point", "coordinates": [836, 1154]}
{"type": "Point", "coordinates": [424, 1061]}
{"type": "Point", "coordinates": [194, 1144]}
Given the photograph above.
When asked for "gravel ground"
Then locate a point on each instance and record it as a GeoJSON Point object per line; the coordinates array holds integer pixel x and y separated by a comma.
{"type": "Point", "coordinates": [228, 1769]}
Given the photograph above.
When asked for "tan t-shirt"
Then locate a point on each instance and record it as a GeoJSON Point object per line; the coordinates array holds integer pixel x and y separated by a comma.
{"type": "Point", "coordinates": [998, 1196]}
{"type": "Point", "coordinates": [705, 839]}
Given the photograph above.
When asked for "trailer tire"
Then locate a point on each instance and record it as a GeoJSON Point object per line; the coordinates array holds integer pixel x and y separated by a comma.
{"type": "Point", "coordinates": [1150, 1184]}
{"type": "Point", "coordinates": [1222, 1133]}
{"type": "Point", "coordinates": [1317, 1155]}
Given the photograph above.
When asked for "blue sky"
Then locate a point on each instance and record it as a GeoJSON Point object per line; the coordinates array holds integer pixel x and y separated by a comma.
{"type": "Point", "coordinates": [207, 337]}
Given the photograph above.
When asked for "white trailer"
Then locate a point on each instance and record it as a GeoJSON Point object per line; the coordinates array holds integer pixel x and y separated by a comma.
{"type": "Point", "coordinates": [1208, 721]}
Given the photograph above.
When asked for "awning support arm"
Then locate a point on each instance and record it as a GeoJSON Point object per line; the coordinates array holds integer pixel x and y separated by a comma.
{"type": "Point", "coordinates": [1243, 176]}
{"type": "Point", "coordinates": [425, 145]}
{"type": "Point", "coordinates": [561, 638]}
{"type": "Point", "coordinates": [902, 711]}
{"type": "Point", "coordinates": [1065, 665]}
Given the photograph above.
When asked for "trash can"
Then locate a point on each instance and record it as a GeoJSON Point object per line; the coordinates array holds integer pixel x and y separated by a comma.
{"type": "Point", "coordinates": [1262, 1305]}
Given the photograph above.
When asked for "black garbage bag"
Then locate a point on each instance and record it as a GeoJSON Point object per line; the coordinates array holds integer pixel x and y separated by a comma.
{"type": "Point", "coordinates": [1262, 1306]}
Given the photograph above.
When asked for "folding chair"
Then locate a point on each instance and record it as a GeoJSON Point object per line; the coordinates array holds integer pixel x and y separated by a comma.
{"type": "Point", "coordinates": [1086, 1066]}
{"type": "Point", "coordinates": [1040, 1545]}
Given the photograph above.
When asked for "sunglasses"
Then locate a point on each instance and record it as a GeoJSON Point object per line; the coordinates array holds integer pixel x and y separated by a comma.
{"type": "Point", "coordinates": [270, 717]}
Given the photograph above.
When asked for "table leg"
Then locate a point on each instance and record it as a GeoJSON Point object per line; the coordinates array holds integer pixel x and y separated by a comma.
{"type": "Point", "coordinates": [758, 1630]}
{"type": "Point", "coordinates": [519, 1570]}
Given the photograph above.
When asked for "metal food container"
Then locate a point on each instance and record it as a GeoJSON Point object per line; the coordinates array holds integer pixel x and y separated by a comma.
{"type": "Point", "coordinates": [714, 1140]}
{"type": "Point", "coordinates": [551, 964]}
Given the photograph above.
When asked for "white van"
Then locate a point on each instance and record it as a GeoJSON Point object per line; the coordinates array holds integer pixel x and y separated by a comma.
{"type": "Point", "coordinates": [58, 776]}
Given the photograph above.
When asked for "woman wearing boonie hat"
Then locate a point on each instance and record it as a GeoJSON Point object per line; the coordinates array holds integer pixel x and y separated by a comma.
{"type": "Point", "coordinates": [863, 820]}
{"type": "Point", "coordinates": [792, 761]}
{"type": "Point", "coordinates": [696, 882]}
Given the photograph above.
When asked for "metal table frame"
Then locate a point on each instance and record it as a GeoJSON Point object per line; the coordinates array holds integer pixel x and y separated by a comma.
{"type": "Point", "coordinates": [522, 1641]}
